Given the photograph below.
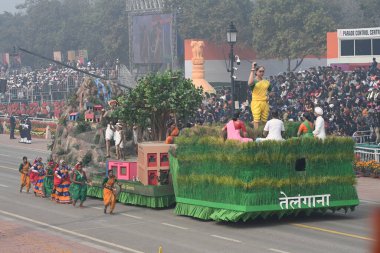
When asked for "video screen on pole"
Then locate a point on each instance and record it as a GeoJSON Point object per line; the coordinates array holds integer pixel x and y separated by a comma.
{"type": "Point", "coordinates": [152, 38]}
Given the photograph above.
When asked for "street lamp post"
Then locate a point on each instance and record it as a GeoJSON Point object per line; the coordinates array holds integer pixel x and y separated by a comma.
{"type": "Point", "coordinates": [231, 39]}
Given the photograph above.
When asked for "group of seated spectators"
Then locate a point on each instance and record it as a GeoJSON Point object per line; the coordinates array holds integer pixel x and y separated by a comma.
{"type": "Point", "coordinates": [350, 100]}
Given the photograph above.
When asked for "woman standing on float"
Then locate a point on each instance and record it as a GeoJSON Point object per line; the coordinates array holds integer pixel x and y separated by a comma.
{"type": "Point", "coordinates": [260, 88]}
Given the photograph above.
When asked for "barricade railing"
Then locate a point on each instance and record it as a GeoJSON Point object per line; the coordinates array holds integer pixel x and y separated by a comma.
{"type": "Point", "coordinates": [363, 136]}
{"type": "Point", "coordinates": [32, 118]}
{"type": "Point", "coordinates": [367, 153]}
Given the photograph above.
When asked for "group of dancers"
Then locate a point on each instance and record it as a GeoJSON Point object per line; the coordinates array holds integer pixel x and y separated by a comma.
{"type": "Point", "coordinates": [63, 184]}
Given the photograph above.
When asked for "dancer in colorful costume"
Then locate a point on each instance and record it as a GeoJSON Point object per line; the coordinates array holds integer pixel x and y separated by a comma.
{"type": "Point", "coordinates": [78, 189]}
{"type": "Point", "coordinates": [109, 194]}
{"type": "Point", "coordinates": [24, 174]}
{"type": "Point", "coordinates": [49, 179]}
{"type": "Point", "coordinates": [39, 170]}
{"type": "Point", "coordinates": [62, 184]}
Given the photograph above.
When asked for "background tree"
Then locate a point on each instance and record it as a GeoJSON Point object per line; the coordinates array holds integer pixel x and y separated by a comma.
{"type": "Point", "coordinates": [290, 29]}
{"type": "Point", "coordinates": [44, 26]}
{"type": "Point", "coordinates": [209, 19]}
{"type": "Point", "coordinates": [156, 99]}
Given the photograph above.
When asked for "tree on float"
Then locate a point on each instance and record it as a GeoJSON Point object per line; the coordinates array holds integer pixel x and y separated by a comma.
{"type": "Point", "coordinates": [156, 99]}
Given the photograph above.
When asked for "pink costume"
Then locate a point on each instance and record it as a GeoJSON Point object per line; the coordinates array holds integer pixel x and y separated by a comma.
{"type": "Point", "coordinates": [233, 134]}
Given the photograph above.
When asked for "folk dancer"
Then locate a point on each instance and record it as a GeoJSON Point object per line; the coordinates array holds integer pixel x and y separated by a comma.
{"type": "Point", "coordinates": [33, 175]}
{"type": "Point", "coordinates": [62, 193]}
{"type": "Point", "coordinates": [56, 180]}
{"type": "Point", "coordinates": [40, 175]}
{"type": "Point", "coordinates": [109, 196]}
{"type": "Point", "coordinates": [260, 88]}
{"type": "Point", "coordinates": [24, 174]}
{"type": "Point", "coordinates": [49, 179]}
{"type": "Point", "coordinates": [78, 188]}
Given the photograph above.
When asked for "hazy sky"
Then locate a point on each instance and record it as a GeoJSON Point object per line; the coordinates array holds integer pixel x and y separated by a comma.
{"type": "Point", "coordinates": [9, 5]}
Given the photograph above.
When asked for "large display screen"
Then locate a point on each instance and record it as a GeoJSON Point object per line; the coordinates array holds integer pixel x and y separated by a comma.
{"type": "Point", "coordinates": [152, 38]}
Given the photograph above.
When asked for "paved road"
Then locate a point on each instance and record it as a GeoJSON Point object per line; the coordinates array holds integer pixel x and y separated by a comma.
{"type": "Point", "coordinates": [135, 229]}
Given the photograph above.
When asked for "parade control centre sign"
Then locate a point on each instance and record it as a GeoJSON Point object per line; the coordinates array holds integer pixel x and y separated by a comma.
{"type": "Point", "coordinates": [359, 33]}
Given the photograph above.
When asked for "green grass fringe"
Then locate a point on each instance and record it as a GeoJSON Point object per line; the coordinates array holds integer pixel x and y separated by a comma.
{"type": "Point", "coordinates": [218, 214]}
{"type": "Point", "coordinates": [135, 199]}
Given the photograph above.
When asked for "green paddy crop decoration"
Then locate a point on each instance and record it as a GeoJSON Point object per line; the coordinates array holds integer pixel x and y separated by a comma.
{"type": "Point", "coordinates": [222, 180]}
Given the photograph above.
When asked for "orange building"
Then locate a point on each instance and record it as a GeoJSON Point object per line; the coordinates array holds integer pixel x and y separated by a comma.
{"type": "Point", "coordinates": [350, 48]}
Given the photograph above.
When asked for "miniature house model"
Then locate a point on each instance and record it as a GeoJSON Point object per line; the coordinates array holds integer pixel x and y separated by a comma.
{"type": "Point", "coordinates": [153, 163]}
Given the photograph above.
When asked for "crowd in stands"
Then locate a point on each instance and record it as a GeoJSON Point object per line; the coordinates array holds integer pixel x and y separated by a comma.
{"type": "Point", "coordinates": [350, 100]}
{"type": "Point", "coordinates": [45, 110]}
{"type": "Point", "coordinates": [24, 86]}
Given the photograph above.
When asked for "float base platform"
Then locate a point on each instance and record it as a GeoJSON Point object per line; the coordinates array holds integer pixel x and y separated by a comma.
{"type": "Point", "coordinates": [134, 193]}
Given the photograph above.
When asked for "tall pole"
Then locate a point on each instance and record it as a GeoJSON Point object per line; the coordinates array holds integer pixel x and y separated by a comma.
{"type": "Point", "coordinates": [232, 60]}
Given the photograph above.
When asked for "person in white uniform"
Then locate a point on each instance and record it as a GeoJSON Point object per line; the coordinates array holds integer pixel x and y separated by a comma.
{"type": "Point", "coordinates": [274, 129]}
{"type": "Point", "coordinates": [109, 136]}
{"type": "Point", "coordinates": [319, 131]}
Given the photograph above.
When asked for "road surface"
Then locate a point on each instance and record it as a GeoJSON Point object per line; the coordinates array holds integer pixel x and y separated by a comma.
{"type": "Point", "coordinates": [25, 219]}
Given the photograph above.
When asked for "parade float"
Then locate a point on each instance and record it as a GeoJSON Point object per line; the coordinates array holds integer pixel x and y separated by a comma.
{"type": "Point", "coordinates": [222, 180]}
{"type": "Point", "coordinates": [203, 175]}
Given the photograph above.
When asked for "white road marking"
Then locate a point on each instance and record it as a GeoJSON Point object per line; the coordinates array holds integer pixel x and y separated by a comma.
{"type": "Point", "coordinates": [124, 214]}
{"type": "Point", "coordinates": [278, 251]}
{"type": "Point", "coordinates": [174, 226]}
{"type": "Point", "coordinates": [70, 232]}
{"type": "Point", "coordinates": [131, 216]}
{"type": "Point", "coordinates": [369, 202]}
{"type": "Point", "coordinates": [3, 155]}
{"type": "Point", "coordinates": [7, 168]}
{"type": "Point", "coordinates": [3, 185]}
{"type": "Point", "coordinates": [226, 238]}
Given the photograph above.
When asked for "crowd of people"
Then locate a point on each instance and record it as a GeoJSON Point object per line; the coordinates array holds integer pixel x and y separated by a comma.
{"type": "Point", "coordinates": [350, 100]}
{"type": "Point", "coordinates": [63, 184]}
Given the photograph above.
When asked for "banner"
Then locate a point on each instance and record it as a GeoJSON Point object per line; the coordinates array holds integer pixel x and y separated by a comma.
{"type": "Point", "coordinates": [57, 56]}
{"type": "Point", "coordinates": [5, 58]}
{"type": "Point", "coordinates": [82, 56]}
{"type": "Point", "coordinates": [71, 55]}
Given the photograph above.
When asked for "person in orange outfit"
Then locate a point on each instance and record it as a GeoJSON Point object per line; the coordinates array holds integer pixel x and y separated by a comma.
{"type": "Point", "coordinates": [24, 171]}
{"type": "Point", "coordinates": [172, 132]}
{"type": "Point", "coordinates": [109, 196]}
